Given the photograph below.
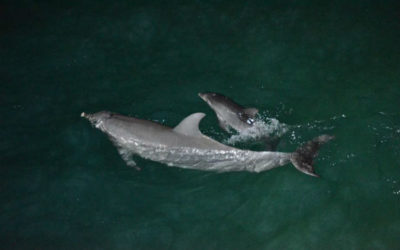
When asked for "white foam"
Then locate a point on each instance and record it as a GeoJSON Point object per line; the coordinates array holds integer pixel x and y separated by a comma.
{"type": "Point", "coordinates": [260, 129]}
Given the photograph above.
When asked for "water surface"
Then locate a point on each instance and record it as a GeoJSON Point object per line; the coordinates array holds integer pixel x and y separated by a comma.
{"type": "Point", "coordinates": [316, 67]}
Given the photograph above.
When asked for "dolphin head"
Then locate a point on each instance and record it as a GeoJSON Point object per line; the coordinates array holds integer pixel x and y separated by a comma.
{"type": "Point", "coordinates": [204, 95]}
{"type": "Point", "coordinates": [98, 118]}
{"type": "Point", "coordinates": [211, 98]}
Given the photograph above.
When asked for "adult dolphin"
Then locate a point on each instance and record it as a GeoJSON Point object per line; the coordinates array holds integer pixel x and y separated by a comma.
{"type": "Point", "coordinates": [186, 147]}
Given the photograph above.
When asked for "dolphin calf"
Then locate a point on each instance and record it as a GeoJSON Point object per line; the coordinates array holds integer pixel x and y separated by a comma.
{"type": "Point", "coordinates": [229, 113]}
{"type": "Point", "coordinates": [186, 147]}
{"type": "Point", "coordinates": [232, 115]}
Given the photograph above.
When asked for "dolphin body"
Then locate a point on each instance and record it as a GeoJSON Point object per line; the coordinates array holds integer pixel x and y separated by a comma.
{"type": "Point", "coordinates": [186, 147]}
{"type": "Point", "coordinates": [229, 113]}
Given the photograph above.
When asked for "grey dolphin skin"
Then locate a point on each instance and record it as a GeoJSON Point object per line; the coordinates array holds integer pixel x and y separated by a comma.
{"type": "Point", "coordinates": [229, 113]}
{"type": "Point", "coordinates": [186, 147]}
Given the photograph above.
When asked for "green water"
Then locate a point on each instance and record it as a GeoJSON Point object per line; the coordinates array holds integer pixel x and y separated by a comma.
{"type": "Point", "coordinates": [330, 67]}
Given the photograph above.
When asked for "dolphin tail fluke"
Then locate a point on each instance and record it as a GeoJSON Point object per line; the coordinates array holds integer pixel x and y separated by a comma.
{"type": "Point", "coordinates": [304, 156]}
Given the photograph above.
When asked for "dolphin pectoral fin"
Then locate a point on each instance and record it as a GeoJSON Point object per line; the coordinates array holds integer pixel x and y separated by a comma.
{"type": "Point", "coordinates": [304, 156]}
{"type": "Point", "coordinates": [127, 157]}
{"type": "Point", "coordinates": [132, 164]}
{"type": "Point", "coordinates": [190, 125]}
{"type": "Point", "coordinates": [224, 126]}
{"type": "Point", "coordinates": [251, 112]}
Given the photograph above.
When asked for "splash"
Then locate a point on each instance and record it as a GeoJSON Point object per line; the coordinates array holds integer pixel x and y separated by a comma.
{"type": "Point", "coordinates": [260, 129]}
{"type": "Point", "coordinates": [271, 127]}
{"type": "Point", "coordinates": [317, 126]}
{"type": "Point", "coordinates": [394, 185]}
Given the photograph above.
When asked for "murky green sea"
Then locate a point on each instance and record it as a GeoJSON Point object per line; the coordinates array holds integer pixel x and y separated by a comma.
{"type": "Point", "coordinates": [319, 67]}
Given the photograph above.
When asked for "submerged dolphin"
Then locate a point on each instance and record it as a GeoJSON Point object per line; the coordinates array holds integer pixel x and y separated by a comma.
{"type": "Point", "coordinates": [229, 113]}
{"type": "Point", "coordinates": [186, 147]}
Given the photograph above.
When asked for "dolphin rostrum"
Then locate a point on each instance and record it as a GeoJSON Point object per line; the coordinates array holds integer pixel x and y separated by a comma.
{"type": "Point", "coordinates": [229, 113]}
{"type": "Point", "coordinates": [186, 147]}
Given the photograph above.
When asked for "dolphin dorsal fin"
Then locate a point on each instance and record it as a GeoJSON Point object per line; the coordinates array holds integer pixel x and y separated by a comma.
{"type": "Point", "coordinates": [251, 112]}
{"type": "Point", "coordinates": [190, 125]}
